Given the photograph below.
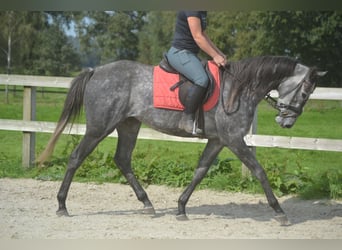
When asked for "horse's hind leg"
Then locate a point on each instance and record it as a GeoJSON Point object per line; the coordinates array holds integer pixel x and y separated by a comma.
{"type": "Point", "coordinates": [127, 137]}
{"type": "Point", "coordinates": [86, 146]}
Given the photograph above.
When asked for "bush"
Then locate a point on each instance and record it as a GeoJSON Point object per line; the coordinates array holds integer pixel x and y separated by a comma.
{"type": "Point", "coordinates": [325, 184]}
{"type": "Point", "coordinates": [160, 167]}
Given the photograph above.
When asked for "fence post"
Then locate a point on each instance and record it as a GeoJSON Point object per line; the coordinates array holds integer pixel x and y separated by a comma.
{"type": "Point", "coordinates": [245, 172]}
{"type": "Point", "coordinates": [29, 114]}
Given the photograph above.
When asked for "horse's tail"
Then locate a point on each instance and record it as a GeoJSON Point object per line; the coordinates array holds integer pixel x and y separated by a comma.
{"type": "Point", "coordinates": [72, 109]}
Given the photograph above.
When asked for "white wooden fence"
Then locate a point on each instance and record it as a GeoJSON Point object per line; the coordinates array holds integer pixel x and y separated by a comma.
{"type": "Point", "coordinates": [29, 126]}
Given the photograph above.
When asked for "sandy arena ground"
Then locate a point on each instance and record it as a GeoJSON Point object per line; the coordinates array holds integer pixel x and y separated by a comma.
{"type": "Point", "coordinates": [111, 211]}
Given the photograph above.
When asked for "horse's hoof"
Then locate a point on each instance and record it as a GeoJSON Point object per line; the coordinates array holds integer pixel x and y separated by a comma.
{"type": "Point", "coordinates": [62, 212]}
{"type": "Point", "coordinates": [282, 219]}
{"type": "Point", "coordinates": [182, 217]}
{"type": "Point", "coordinates": [149, 210]}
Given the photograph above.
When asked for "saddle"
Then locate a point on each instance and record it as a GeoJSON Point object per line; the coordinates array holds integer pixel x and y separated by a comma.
{"type": "Point", "coordinates": [185, 83]}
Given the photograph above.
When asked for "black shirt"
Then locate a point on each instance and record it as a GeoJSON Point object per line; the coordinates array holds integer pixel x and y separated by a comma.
{"type": "Point", "coordinates": [182, 38]}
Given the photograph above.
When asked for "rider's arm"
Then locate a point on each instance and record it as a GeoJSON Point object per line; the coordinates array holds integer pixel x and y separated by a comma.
{"type": "Point", "coordinates": [204, 42]}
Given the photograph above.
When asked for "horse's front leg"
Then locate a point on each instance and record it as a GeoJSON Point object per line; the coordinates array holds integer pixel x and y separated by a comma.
{"type": "Point", "coordinates": [209, 154]}
{"type": "Point", "coordinates": [242, 151]}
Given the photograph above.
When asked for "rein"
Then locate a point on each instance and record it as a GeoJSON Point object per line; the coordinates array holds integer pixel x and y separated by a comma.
{"type": "Point", "coordinates": [271, 101]}
{"type": "Point", "coordinates": [226, 69]}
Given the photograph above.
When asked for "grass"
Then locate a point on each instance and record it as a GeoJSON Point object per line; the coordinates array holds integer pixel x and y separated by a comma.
{"type": "Point", "coordinates": [311, 174]}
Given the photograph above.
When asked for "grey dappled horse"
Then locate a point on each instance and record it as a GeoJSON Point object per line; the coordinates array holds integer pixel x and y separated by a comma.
{"type": "Point", "coordinates": [119, 96]}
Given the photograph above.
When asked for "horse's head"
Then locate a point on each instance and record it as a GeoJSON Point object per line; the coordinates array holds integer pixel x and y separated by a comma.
{"type": "Point", "coordinates": [293, 92]}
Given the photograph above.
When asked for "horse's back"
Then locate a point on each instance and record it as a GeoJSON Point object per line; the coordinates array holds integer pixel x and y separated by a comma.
{"type": "Point", "coordinates": [122, 70]}
{"type": "Point", "coordinates": [120, 76]}
{"type": "Point", "coordinates": [115, 86]}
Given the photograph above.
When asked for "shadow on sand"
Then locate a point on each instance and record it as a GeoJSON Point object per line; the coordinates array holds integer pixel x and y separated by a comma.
{"type": "Point", "coordinates": [297, 210]}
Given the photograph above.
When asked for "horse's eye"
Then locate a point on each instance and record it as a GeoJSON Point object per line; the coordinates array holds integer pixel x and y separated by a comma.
{"type": "Point", "coordinates": [304, 95]}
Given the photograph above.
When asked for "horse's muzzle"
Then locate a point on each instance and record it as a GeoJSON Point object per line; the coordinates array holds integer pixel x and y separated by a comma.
{"type": "Point", "coordinates": [286, 122]}
{"type": "Point", "coordinates": [286, 118]}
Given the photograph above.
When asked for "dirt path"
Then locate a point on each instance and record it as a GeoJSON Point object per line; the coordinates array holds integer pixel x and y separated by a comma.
{"type": "Point", "coordinates": [111, 211]}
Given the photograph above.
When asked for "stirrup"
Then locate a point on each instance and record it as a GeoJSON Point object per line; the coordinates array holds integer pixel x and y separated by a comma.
{"type": "Point", "coordinates": [195, 129]}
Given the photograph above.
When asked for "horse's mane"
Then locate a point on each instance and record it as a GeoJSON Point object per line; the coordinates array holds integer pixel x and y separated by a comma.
{"type": "Point", "coordinates": [254, 73]}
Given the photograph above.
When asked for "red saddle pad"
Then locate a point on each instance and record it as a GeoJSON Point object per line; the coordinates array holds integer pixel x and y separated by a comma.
{"type": "Point", "coordinates": [165, 98]}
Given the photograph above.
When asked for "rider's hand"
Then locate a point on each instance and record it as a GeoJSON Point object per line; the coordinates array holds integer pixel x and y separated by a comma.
{"type": "Point", "coordinates": [220, 60]}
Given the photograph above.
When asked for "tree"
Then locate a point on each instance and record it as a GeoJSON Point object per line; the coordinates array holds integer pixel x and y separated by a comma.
{"type": "Point", "coordinates": [55, 54]}
{"type": "Point", "coordinates": [9, 29]}
{"type": "Point", "coordinates": [113, 34]}
{"type": "Point", "coordinates": [15, 31]}
{"type": "Point", "coordinates": [38, 43]}
{"type": "Point", "coordinates": [35, 42]}
{"type": "Point", "coordinates": [314, 37]}
{"type": "Point", "coordinates": [14, 35]}
{"type": "Point", "coordinates": [156, 35]}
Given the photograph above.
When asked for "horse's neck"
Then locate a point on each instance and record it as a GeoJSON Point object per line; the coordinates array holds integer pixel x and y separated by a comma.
{"type": "Point", "coordinates": [257, 92]}
{"type": "Point", "coordinates": [266, 90]}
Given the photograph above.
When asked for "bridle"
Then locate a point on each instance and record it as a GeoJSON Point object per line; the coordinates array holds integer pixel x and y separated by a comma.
{"type": "Point", "coordinates": [284, 108]}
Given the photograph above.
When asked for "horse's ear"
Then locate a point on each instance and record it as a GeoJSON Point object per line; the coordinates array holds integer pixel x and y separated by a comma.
{"type": "Point", "coordinates": [321, 73]}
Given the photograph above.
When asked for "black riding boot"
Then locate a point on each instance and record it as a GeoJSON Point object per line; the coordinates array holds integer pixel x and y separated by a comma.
{"type": "Point", "coordinates": [192, 101]}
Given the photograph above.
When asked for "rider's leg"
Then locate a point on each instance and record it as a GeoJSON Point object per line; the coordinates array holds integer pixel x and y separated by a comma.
{"type": "Point", "coordinates": [189, 65]}
{"type": "Point", "coordinates": [192, 101]}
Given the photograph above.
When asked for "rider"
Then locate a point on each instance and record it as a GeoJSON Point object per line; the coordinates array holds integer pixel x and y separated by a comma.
{"type": "Point", "coordinates": [188, 39]}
